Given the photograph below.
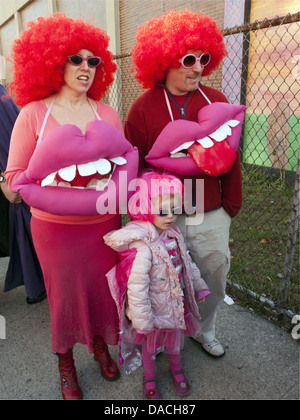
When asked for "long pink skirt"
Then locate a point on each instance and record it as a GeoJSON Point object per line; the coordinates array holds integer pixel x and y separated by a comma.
{"type": "Point", "coordinates": [74, 261]}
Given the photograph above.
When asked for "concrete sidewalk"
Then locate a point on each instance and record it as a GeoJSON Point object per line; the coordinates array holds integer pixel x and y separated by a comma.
{"type": "Point", "coordinates": [261, 363]}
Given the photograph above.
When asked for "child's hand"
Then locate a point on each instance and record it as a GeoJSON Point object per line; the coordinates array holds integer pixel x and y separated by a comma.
{"type": "Point", "coordinates": [202, 300]}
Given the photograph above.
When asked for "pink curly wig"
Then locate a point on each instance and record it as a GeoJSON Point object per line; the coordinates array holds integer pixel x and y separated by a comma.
{"type": "Point", "coordinates": [163, 40]}
{"type": "Point", "coordinates": [151, 184]}
{"type": "Point", "coordinates": [40, 54]}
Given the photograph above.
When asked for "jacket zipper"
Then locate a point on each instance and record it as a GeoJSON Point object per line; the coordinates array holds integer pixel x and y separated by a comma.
{"type": "Point", "coordinates": [181, 110]}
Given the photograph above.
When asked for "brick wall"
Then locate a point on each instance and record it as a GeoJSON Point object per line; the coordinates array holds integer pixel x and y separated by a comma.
{"type": "Point", "coordinates": [134, 13]}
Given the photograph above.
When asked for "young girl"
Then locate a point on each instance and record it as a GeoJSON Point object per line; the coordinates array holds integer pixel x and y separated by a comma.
{"type": "Point", "coordinates": [163, 283]}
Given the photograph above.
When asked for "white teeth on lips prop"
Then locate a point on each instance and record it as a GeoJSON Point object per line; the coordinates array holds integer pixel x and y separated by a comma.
{"type": "Point", "coordinates": [101, 166]}
{"type": "Point", "coordinates": [219, 135]}
{"type": "Point", "coordinates": [207, 146]}
{"type": "Point", "coordinates": [68, 171]}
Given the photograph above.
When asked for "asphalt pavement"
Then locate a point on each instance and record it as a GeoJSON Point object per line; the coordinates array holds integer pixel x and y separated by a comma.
{"type": "Point", "coordinates": [261, 361]}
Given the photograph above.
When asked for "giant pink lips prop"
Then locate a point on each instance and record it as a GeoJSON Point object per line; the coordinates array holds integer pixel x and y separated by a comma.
{"type": "Point", "coordinates": [207, 147]}
{"type": "Point", "coordinates": [69, 171]}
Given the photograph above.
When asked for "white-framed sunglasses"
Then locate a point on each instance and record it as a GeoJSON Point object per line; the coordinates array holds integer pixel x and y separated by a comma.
{"type": "Point", "coordinates": [189, 60]}
{"type": "Point", "coordinates": [174, 211]}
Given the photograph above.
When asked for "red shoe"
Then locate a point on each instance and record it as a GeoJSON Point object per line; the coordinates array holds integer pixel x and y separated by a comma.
{"type": "Point", "coordinates": [68, 378]}
{"type": "Point", "coordinates": [181, 384]}
{"type": "Point", "coordinates": [151, 393]}
{"type": "Point", "coordinates": [108, 367]}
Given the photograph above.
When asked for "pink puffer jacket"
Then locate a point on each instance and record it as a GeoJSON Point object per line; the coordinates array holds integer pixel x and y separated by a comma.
{"type": "Point", "coordinates": [153, 291]}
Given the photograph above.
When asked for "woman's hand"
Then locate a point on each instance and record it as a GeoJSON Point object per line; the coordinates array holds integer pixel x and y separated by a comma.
{"type": "Point", "coordinates": [12, 197]}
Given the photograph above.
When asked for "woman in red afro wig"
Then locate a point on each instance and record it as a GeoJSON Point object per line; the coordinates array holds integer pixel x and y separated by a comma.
{"type": "Point", "coordinates": [156, 51]}
{"type": "Point", "coordinates": [57, 161]}
{"type": "Point", "coordinates": [40, 54]}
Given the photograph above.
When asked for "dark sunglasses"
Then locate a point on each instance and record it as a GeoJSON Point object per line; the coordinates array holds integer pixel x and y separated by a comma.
{"type": "Point", "coordinates": [77, 59]}
{"type": "Point", "coordinates": [165, 212]}
{"type": "Point", "coordinates": [189, 60]}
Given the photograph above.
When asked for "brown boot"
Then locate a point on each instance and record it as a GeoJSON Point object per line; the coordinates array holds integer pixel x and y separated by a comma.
{"type": "Point", "coordinates": [108, 367]}
{"type": "Point", "coordinates": [68, 378]}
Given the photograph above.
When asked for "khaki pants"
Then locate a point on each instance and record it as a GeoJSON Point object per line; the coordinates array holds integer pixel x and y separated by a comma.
{"type": "Point", "coordinates": [208, 244]}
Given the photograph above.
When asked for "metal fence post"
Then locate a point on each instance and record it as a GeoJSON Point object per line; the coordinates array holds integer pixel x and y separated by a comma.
{"type": "Point", "coordinates": [290, 247]}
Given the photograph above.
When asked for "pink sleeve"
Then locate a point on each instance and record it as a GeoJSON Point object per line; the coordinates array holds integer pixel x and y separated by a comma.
{"type": "Point", "coordinates": [109, 114]}
{"type": "Point", "coordinates": [22, 145]}
{"type": "Point", "coordinates": [202, 294]}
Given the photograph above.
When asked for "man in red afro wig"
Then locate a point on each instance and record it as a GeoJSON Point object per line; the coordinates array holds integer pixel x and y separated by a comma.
{"type": "Point", "coordinates": [40, 54]}
{"type": "Point", "coordinates": [171, 55]}
{"type": "Point", "coordinates": [162, 41]}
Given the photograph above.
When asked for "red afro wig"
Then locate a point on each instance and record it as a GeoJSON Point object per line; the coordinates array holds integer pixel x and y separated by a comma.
{"type": "Point", "coordinates": [163, 40]}
{"type": "Point", "coordinates": [40, 54]}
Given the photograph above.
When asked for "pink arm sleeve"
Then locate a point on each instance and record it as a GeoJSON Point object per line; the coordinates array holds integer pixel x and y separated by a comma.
{"type": "Point", "coordinates": [202, 294]}
{"type": "Point", "coordinates": [22, 145]}
{"type": "Point", "coordinates": [109, 114]}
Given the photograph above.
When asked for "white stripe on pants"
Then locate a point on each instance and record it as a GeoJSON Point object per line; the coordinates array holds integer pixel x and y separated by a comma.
{"type": "Point", "coordinates": [208, 244]}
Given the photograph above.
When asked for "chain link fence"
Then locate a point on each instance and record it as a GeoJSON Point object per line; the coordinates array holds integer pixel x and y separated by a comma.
{"type": "Point", "coordinates": [261, 71]}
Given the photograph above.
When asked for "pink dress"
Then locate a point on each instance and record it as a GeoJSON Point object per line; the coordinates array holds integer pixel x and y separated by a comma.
{"type": "Point", "coordinates": [71, 250]}
{"type": "Point", "coordinates": [74, 260]}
